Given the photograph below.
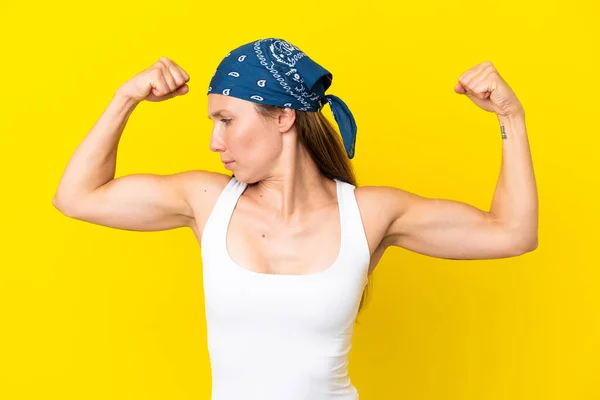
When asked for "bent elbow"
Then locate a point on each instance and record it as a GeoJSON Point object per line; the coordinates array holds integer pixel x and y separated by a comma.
{"type": "Point", "coordinates": [534, 244]}
{"type": "Point", "coordinates": [64, 207]}
{"type": "Point", "coordinates": [526, 246]}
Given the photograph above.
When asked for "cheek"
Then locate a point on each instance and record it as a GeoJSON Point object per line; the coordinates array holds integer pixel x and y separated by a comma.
{"type": "Point", "coordinates": [238, 140]}
{"type": "Point", "coordinates": [254, 142]}
{"type": "Point", "coordinates": [267, 147]}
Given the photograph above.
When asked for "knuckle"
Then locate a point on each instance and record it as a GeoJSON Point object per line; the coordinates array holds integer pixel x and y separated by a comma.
{"type": "Point", "coordinates": [161, 64]}
{"type": "Point", "coordinates": [156, 73]}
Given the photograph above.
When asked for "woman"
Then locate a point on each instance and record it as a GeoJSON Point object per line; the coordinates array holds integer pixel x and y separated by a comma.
{"type": "Point", "coordinates": [288, 241]}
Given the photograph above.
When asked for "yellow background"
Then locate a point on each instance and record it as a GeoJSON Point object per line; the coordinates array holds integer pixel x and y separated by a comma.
{"type": "Point", "coordinates": [88, 312]}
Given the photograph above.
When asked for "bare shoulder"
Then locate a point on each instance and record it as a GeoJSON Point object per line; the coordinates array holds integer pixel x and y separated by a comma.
{"type": "Point", "coordinates": [202, 189]}
{"type": "Point", "coordinates": [201, 181]}
{"type": "Point", "coordinates": [380, 206]}
{"type": "Point", "coordinates": [384, 200]}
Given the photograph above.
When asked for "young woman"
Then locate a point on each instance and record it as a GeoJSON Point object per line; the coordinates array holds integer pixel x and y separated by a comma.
{"type": "Point", "coordinates": [288, 240]}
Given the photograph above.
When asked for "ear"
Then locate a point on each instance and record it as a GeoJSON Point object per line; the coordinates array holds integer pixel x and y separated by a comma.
{"type": "Point", "coordinates": [286, 119]}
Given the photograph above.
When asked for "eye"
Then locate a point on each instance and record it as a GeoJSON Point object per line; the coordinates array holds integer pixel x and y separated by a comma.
{"type": "Point", "coordinates": [226, 120]}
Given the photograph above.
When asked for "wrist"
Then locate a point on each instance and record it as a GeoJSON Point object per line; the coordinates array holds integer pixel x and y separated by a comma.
{"type": "Point", "coordinates": [125, 101]}
{"type": "Point", "coordinates": [506, 119]}
{"type": "Point", "coordinates": [512, 125]}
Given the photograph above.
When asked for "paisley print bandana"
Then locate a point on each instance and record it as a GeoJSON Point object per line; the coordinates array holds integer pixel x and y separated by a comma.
{"type": "Point", "coordinates": [275, 72]}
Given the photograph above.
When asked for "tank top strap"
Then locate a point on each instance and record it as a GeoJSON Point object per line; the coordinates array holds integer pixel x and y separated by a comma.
{"type": "Point", "coordinates": [354, 231]}
{"type": "Point", "coordinates": [218, 220]}
{"type": "Point", "coordinates": [230, 195]}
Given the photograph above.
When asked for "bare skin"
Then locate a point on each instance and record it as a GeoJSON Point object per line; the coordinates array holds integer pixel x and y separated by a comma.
{"type": "Point", "coordinates": [287, 220]}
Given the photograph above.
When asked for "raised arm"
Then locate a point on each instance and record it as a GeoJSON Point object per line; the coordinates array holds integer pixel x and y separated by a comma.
{"type": "Point", "coordinates": [455, 230]}
{"type": "Point", "coordinates": [89, 191]}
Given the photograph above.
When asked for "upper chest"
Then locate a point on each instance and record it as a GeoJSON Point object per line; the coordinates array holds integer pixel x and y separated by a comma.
{"type": "Point", "coordinates": [257, 239]}
{"type": "Point", "coordinates": [308, 242]}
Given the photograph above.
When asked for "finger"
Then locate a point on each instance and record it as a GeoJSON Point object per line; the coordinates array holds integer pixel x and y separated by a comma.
{"type": "Point", "coordinates": [485, 86]}
{"type": "Point", "coordinates": [159, 85]}
{"type": "Point", "coordinates": [479, 84]}
{"type": "Point", "coordinates": [176, 72]}
{"type": "Point", "coordinates": [167, 74]}
{"type": "Point", "coordinates": [483, 91]}
{"type": "Point", "coordinates": [458, 88]}
{"type": "Point", "coordinates": [483, 74]}
{"type": "Point", "coordinates": [177, 75]}
{"type": "Point", "coordinates": [468, 75]}
{"type": "Point", "coordinates": [182, 90]}
{"type": "Point", "coordinates": [181, 70]}
{"type": "Point", "coordinates": [476, 69]}
{"type": "Point", "coordinates": [471, 81]}
{"type": "Point", "coordinates": [185, 74]}
{"type": "Point", "coordinates": [463, 81]}
{"type": "Point", "coordinates": [178, 92]}
{"type": "Point", "coordinates": [171, 94]}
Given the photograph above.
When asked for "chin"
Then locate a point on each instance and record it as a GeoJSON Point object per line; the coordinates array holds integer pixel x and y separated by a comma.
{"type": "Point", "coordinates": [244, 179]}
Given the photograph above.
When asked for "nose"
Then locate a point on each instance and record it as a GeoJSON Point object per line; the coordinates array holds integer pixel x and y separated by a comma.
{"type": "Point", "coordinates": [216, 143]}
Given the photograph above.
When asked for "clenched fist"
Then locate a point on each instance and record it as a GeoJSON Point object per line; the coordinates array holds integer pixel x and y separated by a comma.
{"type": "Point", "coordinates": [486, 88]}
{"type": "Point", "coordinates": [162, 81]}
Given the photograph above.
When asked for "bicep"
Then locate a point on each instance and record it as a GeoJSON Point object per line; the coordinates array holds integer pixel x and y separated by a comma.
{"type": "Point", "coordinates": [140, 202]}
{"type": "Point", "coordinates": [447, 229]}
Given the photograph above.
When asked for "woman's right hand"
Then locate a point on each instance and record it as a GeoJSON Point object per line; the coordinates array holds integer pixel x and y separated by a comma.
{"type": "Point", "coordinates": [162, 81]}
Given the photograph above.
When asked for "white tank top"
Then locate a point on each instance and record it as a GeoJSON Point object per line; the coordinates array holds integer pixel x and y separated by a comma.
{"type": "Point", "coordinates": [282, 337]}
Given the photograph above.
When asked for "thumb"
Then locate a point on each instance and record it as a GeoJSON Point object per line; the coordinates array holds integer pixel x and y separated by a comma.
{"type": "Point", "coordinates": [458, 88]}
{"type": "Point", "coordinates": [181, 91]}
{"type": "Point", "coordinates": [177, 92]}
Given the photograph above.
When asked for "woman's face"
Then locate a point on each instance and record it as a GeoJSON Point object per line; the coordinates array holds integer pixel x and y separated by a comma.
{"type": "Point", "coordinates": [248, 145]}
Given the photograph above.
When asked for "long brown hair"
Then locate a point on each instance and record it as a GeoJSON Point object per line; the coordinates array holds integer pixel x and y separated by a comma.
{"type": "Point", "coordinates": [325, 146]}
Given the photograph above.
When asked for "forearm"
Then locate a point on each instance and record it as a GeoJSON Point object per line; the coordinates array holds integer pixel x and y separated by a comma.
{"type": "Point", "coordinates": [93, 162]}
{"type": "Point", "coordinates": [515, 201]}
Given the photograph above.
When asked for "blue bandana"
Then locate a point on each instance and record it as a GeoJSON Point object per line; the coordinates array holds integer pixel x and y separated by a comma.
{"type": "Point", "coordinates": [273, 71]}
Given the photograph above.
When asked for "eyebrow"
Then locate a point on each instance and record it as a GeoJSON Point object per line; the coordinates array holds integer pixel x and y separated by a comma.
{"type": "Point", "coordinates": [218, 113]}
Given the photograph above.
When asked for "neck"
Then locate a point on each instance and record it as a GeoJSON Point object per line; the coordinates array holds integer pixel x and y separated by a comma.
{"type": "Point", "coordinates": [295, 185]}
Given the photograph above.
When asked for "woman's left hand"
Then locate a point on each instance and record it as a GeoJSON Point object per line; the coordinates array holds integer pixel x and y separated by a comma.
{"type": "Point", "coordinates": [486, 88]}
